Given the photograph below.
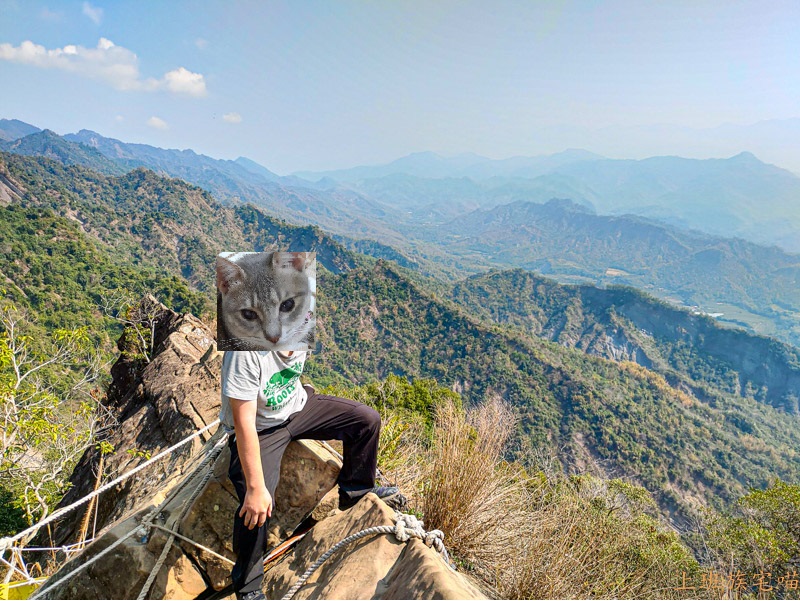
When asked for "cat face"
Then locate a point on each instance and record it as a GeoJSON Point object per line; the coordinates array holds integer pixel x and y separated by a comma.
{"type": "Point", "coordinates": [265, 301]}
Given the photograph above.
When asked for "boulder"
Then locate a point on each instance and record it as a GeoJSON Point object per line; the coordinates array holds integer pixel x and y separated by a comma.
{"type": "Point", "coordinates": [189, 494]}
{"type": "Point", "coordinates": [375, 567]}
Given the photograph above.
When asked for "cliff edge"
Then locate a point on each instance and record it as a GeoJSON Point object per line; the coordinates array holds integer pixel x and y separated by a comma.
{"type": "Point", "coordinates": [168, 529]}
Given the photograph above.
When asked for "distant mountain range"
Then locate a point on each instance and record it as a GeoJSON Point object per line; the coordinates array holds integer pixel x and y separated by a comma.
{"type": "Point", "coordinates": [740, 196]}
{"type": "Point", "coordinates": [715, 414]}
{"type": "Point", "coordinates": [473, 166]}
{"type": "Point", "coordinates": [49, 144]}
{"type": "Point", "coordinates": [740, 282]}
{"type": "Point", "coordinates": [450, 217]}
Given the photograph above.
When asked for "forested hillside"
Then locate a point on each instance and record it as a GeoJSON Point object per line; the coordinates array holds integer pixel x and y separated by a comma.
{"type": "Point", "coordinates": [699, 442]}
{"type": "Point", "coordinates": [690, 349]}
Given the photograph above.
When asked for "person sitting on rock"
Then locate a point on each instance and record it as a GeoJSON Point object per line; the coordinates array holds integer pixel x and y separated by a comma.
{"type": "Point", "coordinates": [265, 407]}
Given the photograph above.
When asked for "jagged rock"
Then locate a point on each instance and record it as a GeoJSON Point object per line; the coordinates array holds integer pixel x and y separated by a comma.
{"type": "Point", "coordinates": [176, 394]}
{"type": "Point", "coordinates": [155, 407]}
{"type": "Point", "coordinates": [376, 567]}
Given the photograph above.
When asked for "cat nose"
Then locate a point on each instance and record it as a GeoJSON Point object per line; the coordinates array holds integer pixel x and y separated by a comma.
{"type": "Point", "coordinates": [273, 340]}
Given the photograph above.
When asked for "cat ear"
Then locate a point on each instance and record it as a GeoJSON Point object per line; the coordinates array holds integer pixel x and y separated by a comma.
{"type": "Point", "coordinates": [298, 260]}
{"type": "Point", "coordinates": [228, 274]}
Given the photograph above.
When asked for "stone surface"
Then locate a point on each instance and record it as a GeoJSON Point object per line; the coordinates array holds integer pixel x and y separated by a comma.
{"type": "Point", "coordinates": [176, 394]}
{"type": "Point", "coordinates": [375, 567]}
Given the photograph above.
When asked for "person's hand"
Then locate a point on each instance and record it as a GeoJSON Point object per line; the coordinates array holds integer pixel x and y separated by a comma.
{"type": "Point", "coordinates": [257, 507]}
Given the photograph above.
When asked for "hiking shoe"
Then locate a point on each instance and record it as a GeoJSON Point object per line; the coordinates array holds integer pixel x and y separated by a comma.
{"type": "Point", "coordinates": [390, 495]}
{"type": "Point", "coordinates": [256, 594]}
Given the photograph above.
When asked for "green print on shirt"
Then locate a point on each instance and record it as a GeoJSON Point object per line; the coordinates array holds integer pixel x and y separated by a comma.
{"type": "Point", "coordinates": [282, 385]}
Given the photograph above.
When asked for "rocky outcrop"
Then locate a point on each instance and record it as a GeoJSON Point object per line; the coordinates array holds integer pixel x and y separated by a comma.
{"type": "Point", "coordinates": [189, 498]}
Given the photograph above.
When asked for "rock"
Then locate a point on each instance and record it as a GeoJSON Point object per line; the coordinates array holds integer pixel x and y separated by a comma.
{"type": "Point", "coordinates": [184, 581]}
{"type": "Point", "coordinates": [376, 567]}
{"type": "Point", "coordinates": [176, 394]}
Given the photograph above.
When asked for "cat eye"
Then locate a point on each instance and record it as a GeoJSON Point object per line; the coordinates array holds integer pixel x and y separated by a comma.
{"type": "Point", "coordinates": [287, 305]}
{"type": "Point", "coordinates": [249, 315]}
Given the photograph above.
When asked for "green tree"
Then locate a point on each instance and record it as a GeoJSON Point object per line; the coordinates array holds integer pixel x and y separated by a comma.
{"type": "Point", "coordinates": [50, 411]}
{"type": "Point", "coordinates": [761, 535]}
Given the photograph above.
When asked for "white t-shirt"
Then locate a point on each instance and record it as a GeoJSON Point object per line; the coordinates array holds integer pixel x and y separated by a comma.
{"type": "Point", "coordinates": [268, 377]}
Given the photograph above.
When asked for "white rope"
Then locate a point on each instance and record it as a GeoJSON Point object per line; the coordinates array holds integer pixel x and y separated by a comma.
{"type": "Point", "coordinates": [38, 594]}
{"type": "Point", "coordinates": [406, 527]}
{"type": "Point", "coordinates": [5, 543]}
{"type": "Point", "coordinates": [148, 518]}
{"type": "Point", "coordinates": [190, 541]}
{"type": "Point", "coordinates": [36, 580]}
{"type": "Point", "coordinates": [65, 548]}
{"type": "Point", "coordinates": [13, 567]}
{"type": "Point", "coordinates": [209, 459]}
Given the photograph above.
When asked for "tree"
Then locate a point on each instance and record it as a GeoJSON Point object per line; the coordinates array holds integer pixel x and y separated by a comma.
{"type": "Point", "coordinates": [761, 535]}
{"type": "Point", "coordinates": [139, 318]}
{"type": "Point", "coordinates": [50, 410]}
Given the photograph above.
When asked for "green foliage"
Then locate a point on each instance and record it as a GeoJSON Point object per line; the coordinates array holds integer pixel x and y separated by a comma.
{"type": "Point", "coordinates": [408, 409]}
{"type": "Point", "coordinates": [12, 517]}
{"type": "Point", "coordinates": [378, 323]}
{"type": "Point", "coordinates": [396, 394]}
{"type": "Point", "coordinates": [138, 453]}
{"type": "Point", "coordinates": [760, 535]}
{"type": "Point", "coordinates": [105, 447]}
{"type": "Point", "coordinates": [45, 427]}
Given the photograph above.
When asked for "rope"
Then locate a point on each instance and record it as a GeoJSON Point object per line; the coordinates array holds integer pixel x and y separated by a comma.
{"type": "Point", "coordinates": [38, 594]}
{"type": "Point", "coordinates": [148, 518]}
{"type": "Point", "coordinates": [190, 541]}
{"type": "Point", "coordinates": [65, 548]}
{"type": "Point", "coordinates": [7, 542]}
{"type": "Point", "coordinates": [209, 459]}
{"type": "Point", "coordinates": [405, 528]}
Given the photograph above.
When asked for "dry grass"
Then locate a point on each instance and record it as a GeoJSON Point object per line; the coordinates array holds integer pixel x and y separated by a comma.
{"type": "Point", "coordinates": [531, 537]}
{"type": "Point", "coordinates": [469, 493]}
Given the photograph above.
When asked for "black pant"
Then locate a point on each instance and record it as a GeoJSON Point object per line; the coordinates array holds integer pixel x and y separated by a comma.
{"type": "Point", "coordinates": [323, 417]}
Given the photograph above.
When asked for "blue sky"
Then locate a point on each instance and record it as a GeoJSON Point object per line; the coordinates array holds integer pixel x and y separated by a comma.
{"type": "Point", "coordinates": [320, 85]}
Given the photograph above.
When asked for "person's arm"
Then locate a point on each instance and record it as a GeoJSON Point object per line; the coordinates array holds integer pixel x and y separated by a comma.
{"type": "Point", "coordinates": [257, 505]}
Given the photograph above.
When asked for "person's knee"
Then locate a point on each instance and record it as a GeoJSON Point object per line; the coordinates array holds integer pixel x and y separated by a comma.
{"type": "Point", "coordinates": [370, 418]}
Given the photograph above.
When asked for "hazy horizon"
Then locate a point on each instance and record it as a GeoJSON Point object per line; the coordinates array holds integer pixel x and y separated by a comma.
{"type": "Point", "coordinates": [317, 86]}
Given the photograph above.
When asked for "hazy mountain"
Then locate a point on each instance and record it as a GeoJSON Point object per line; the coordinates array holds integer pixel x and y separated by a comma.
{"type": "Point", "coordinates": [774, 140]}
{"type": "Point", "coordinates": [427, 200]}
{"type": "Point", "coordinates": [739, 196]}
{"type": "Point", "coordinates": [234, 182]}
{"type": "Point", "coordinates": [432, 165]}
{"type": "Point", "coordinates": [185, 164]}
{"type": "Point", "coordinates": [254, 167]}
{"type": "Point", "coordinates": [749, 285]}
{"type": "Point", "coordinates": [49, 144]}
{"type": "Point", "coordinates": [12, 129]}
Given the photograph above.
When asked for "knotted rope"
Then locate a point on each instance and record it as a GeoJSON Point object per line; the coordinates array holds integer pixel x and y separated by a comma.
{"type": "Point", "coordinates": [406, 527]}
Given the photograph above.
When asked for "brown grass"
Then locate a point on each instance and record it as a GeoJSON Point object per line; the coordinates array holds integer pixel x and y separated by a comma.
{"type": "Point", "coordinates": [531, 537]}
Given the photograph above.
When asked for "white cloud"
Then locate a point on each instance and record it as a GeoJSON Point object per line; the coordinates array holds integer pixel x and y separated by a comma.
{"type": "Point", "coordinates": [232, 118]}
{"type": "Point", "coordinates": [183, 81]}
{"type": "Point", "coordinates": [93, 12]}
{"type": "Point", "coordinates": [157, 123]}
{"type": "Point", "coordinates": [108, 62]}
{"type": "Point", "coordinates": [201, 43]}
{"type": "Point", "coordinates": [119, 118]}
